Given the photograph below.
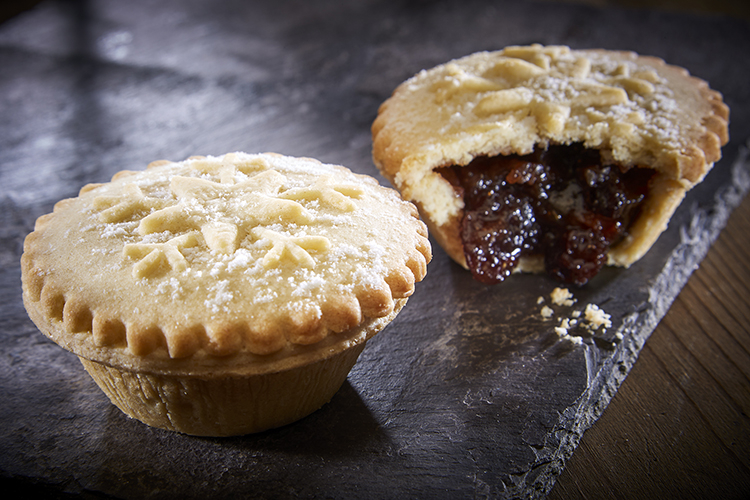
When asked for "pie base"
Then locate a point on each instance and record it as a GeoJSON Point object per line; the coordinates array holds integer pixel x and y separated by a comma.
{"type": "Point", "coordinates": [227, 405]}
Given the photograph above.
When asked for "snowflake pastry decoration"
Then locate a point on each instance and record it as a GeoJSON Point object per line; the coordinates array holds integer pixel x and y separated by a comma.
{"type": "Point", "coordinates": [222, 205]}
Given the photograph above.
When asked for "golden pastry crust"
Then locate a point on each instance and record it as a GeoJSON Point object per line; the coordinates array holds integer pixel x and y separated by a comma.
{"type": "Point", "coordinates": [223, 295]}
{"type": "Point", "coordinates": [637, 110]}
{"type": "Point", "coordinates": [239, 263]}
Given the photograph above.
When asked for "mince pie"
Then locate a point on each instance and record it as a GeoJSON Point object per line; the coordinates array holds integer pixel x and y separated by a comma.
{"type": "Point", "coordinates": [545, 158]}
{"type": "Point", "coordinates": [223, 295]}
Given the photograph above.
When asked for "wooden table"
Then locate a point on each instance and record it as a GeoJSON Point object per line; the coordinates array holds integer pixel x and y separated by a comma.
{"type": "Point", "coordinates": [679, 426]}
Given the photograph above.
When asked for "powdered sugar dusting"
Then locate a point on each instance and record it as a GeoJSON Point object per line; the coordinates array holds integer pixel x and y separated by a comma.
{"type": "Point", "coordinates": [219, 297]}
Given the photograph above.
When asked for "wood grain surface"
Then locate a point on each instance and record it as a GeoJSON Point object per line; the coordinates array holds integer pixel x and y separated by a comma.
{"type": "Point", "coordinates": [679, 426]}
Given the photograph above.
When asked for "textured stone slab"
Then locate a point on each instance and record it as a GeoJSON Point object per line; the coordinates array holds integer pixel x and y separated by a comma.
{"type": "Point", "coordinates": [470, 392]}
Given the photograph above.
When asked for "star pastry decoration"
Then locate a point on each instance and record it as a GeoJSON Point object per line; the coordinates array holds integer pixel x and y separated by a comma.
{"type": "Point", "coordinates": [337, 196]}
{"type": "Point", "coordinates": [218, 208]}
{"type": "Point", "coordinates": [568, 82]}
{"type": "Point", "coordinates": [221, 210]}
{"type": "Point", "coordinates": [227, 168]}
{"type": "Point", "coordinates": [151, 257]}
{"type": "Point", "coordinates": [121, 208]}
{"type": "Point", "coordinates": [293, 248]}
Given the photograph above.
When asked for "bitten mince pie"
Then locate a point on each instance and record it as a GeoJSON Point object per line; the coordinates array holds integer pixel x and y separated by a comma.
{"type": "Point", "coordinates": [223, 295]}
{"type": "Point", "coordinates": [541, 158]}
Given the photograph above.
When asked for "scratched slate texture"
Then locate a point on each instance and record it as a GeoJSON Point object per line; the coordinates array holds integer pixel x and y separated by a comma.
{"type": "Point", "coordinates": [469, 393]}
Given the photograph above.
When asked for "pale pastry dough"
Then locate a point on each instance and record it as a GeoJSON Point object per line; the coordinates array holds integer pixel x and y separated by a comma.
{"type": "Point", "coordinates": [636, 110]}
{"type": "Point", "coordinates": [202, 295]}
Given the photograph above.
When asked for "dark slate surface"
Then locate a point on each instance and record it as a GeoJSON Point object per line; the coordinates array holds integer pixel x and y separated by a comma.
{"type": "Point", "coordinates": [468, 393]}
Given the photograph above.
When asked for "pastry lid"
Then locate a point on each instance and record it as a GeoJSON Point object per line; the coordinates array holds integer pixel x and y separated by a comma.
{"type": "Point", "coordinates": [216, 261]}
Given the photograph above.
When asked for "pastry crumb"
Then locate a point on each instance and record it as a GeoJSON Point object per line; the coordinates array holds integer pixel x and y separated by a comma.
{"type": "Point", "coordinates": [562, 297]}
{"type": "Point", "coordinates": [592, 318]}
{"type": "Point", "coordinates": [561, 331]}
{"type": "Point", "coordinates": [547, 312]}
{"type": "Point", "coordinates": [596, 317]}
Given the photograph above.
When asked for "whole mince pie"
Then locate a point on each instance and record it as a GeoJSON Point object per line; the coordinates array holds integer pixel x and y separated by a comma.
{"type": "Point", "coordinates": [223, 295]}
{"type": "Point", "coordinates": [542, 158]}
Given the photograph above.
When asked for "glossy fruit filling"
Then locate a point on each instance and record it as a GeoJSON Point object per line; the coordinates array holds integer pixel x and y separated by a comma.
{"type": "Point", "coordinates": [562, 203]}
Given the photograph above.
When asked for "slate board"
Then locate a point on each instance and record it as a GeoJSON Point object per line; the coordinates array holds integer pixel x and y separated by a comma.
{"type": "Point", "coordinates": [469, 393]}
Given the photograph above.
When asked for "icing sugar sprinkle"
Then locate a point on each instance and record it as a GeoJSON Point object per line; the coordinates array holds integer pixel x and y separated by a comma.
{"type": "Point", "coordinates": [221, 297]}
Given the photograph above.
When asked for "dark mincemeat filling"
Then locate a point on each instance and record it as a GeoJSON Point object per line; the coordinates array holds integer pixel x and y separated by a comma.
{"type": "Point", "coordinates": [562, 203]}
